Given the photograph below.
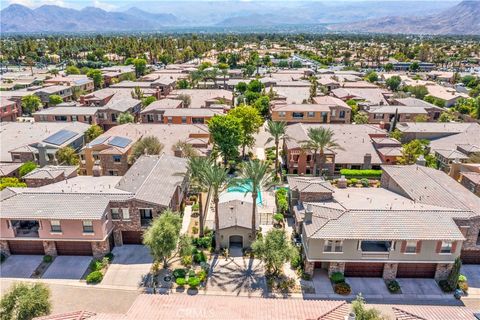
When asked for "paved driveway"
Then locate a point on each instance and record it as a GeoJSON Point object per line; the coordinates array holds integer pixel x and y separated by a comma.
{"type": "Point", "coordinates": [472, 272]}
{"type": "Point", "coordinates": [19, 266]}
{"type": "Point", "coordinates": [130, 265]}
{"type": "Point", "coordinates": [423, 287]}
{"type": "Point", "coordinates": [67, 267]}
{"type": "Point", "coordinates": [372, 287]}
{"type": "Point", "coordinates": [237, 276]}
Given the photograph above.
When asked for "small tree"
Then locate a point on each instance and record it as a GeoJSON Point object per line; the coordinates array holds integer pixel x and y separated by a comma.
{"type": "Point", "coordinates": [54, 99]}
{"type": "Point", "coordinates": [250, 121]}
{"type": "Point", "coordinates": [162, 236]}
{"type": "Point", "coordinates": [360, 118]}
{"type": "Point", "coordinates": [140, 67]}
{"type": "Point", "coordinates": [362, 313]}
{"type": "Point", "coordinates": [11, 182]}
{"type": "Point", "coordinates": [274, 250]}
{"type": "Point", "coordinates": [185, 246]}
{"type": "Point", "coordinates": [125, 117]}
{"type": "Point", "coordinates": [31, 103]}
{"type": "Point", "coordinates": [454, 274]}
{"type": "Point", "coordinates": [393, 83]}
{"type": "Point", "coordinates": [72, 70]}
{"type": "Point", "coordinates": [147, 145]}
{"type": "Point", "coordinates": [148, 100]}
{"type": "Point", "coordinates": [67, 156]}
{"type": "Point", "coordinates": [93, 132]}
{"type": "Point", "coordinates": [97, 77]}
{"type": "Point", "coordinates": [186, 149]}
{"type": "Point", "coordinates": [226, 132]}
{"type": "Point", "coordinates": [27, 167]}
{"type": "Point", "coordinates": [186, 100]}
{"type": "Point", "coordinates": [25, 301]}
{"type": "Point", "coordinates": [371, 76]}
{"type": "Point", "coordinates": [414, 67]}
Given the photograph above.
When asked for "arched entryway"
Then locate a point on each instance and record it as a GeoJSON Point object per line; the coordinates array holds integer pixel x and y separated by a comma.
{"type": "Point", "coordinates": [236, 241]}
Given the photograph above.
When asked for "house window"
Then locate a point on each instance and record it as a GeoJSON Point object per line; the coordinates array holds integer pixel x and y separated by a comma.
{"type": "Point", "coordinates": [184, 119]}
{"type": "Point", "coordinates": [60, 118]}
{"type": "Point", "coordinates": [334, 112]}
{"type": "Point", "coordinates": [126, 213]}
{"type": "Point", "coordinates": [113, 172]}
{"type": "Point", "coordinates": [333, 246]}
{"type": "Point", "coordinates": [311, 114]}
{"type": "Point", "coordinates": [170, 119]}
{"type": "Point", "coordinates": [43, 118]}
{"type": "Point", "coordinates": [341, 115]}
{"type": "Point", "coordinates": [115, 213]}
{"type": "Point", "coordinates": [87, 226]}
{"type": "Point", "coordinates": [297, 115]}
{"type": "Point", "coordinates": [281, 114]}
{"type": "Point", "coordinates": [411, 247]}
{"type": "Point", "coordinates": [159, 117]}
{"type": "Point", "coordinates": [74, 118]}
{"type": "Point", "coordinates": [378, 116]}
{"type": "Point", "coordinates": [117, 158]}
{"type": "Point", "coordinates": [114, 117]}
{"type": "Point", "coordinates": [446, 247]}
{"type": "Point", "coordinates": [55, 226]}
{"type": "Point", "coordinates": [478, 238]}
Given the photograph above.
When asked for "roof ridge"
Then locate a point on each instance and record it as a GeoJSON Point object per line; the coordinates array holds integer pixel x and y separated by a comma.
{"type": "Point", "coordinates": [328, 220]}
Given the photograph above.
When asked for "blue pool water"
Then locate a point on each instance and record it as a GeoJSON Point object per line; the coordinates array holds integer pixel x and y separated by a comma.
{"type": "Point", "coordinates": [247, 187]}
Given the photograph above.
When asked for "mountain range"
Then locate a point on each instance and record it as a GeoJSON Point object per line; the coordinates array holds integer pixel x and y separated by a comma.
{"type": "Point", "coordinates": [444, 17]}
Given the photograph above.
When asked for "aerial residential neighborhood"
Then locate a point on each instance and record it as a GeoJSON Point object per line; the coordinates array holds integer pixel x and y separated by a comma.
{"type": "Point", "coordinates": [280, 162]}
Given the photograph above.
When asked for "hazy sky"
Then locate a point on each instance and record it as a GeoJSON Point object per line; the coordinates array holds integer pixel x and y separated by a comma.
{"type": "Point", "coordinates": [119, 4]}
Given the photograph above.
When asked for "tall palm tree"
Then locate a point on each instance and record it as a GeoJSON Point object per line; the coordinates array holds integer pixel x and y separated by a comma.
{"type": "Point", "coordinates": [217, 179]}
{"type": "Point", "coordinates": [277, 130]}
{"type": "Point", "coordinates": [319, 140]}
{"type": "Point", "coordinates": [195, 168]}
{"type": "Point", "coordinates": [257, 174]}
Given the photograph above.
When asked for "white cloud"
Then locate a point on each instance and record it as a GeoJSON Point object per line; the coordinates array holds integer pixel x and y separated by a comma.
{"type": "Point", "coordinates": [104, 5]}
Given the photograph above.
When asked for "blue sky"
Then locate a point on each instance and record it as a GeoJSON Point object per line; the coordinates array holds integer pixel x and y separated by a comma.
{"type": "Point", "coordinates": [112, 5]}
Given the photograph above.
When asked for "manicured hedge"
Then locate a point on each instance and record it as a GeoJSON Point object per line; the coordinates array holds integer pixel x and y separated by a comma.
{"type": "Point", "coordinates": [94, 277]}
{"type": "Point", "coordinates": [351, 173]}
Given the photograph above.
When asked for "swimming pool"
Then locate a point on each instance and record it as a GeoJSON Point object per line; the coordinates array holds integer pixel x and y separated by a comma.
{"type": "Point", "coordinates": [246, 187]}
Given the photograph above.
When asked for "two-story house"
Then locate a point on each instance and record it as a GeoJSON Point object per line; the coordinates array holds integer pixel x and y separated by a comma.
{"type": "Point", "coordinates": [9, 109]}
{"type": "Point", "coordinates": [374, 232]}
{"type": "Point", "coordinates": [65, 92]}
{"type": "Point", "coordinates": [89, 215]}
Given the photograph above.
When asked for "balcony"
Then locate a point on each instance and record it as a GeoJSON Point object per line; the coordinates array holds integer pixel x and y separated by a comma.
{"type": "Point", "coordinates": [25, 228]}
{"type": "Point", "coordinates": [375, 249]}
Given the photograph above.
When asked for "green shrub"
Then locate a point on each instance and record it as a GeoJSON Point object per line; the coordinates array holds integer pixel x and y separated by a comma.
{"type": "Point", "coordinates": [195, 207]}
{"type": "Point", "coordinates": [94, 277]}
{"type": "Point", "coordinates": [179, 273]}
{"type": "Point", "coordinates": [193, 198]}
{"type": "Point", "coordinates": [354, 181]}
{"type": "Point", "coordinates": [110, 257]}
{"type": "Point", "coordinates": [352, 173]}
{"type": "Point", "coordinates": [194, 230]}
{"type": "Point", "coordinates": [462, 278]}
{"type": "Point", "coordinates": [393, 286]}
{"type": "Point", "coordinates": [180, 281]}
{"type": "Point", "coordinates": [282, 205]}
{"type": "Point", "coordinates": [342, 288]}
{"type": "Point", "coordinates": [365, 182]}
{"type": "Point", "coordinates": [278, 217]}
{"type": "Point", "coordinates": [202, 275]}
{"type": "Point", "coordinates": [199, 257]}
{"type": "Point", "coordinates": [96, 265]}
{"type": "Point", "coordinates": [2, 257]}
{"type": "Point", "coordinates": [47, 258]}
{"type": "Point", "coordinates": [204, 242]}
{"type": "Point", "coordinates": [337, 277]}
{"type": "Point", "coordinates": [187, 261]}
{"type": "Point", "coordinates": [296, 260]}
{"type": "Point", "coordinates": [193, 282]}
{"type": "Point", "coordinates": [445, 286]}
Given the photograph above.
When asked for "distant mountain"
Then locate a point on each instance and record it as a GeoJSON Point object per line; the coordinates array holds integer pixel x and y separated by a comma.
{"type": "Point", "coordinates": [460, 19]}
{"type": "Point", "coordinates": [50, 18]}
{"type": "Point", "coordinates": [390, 16]}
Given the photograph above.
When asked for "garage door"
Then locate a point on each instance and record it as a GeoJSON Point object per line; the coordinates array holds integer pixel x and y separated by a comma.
{"type": "Point", "coordinates": [132, 237]}
{"type": "Point", "coordinates": [236, 241]}
{"type": "Point", "coordinates": [470, 256]}
{"type": "Point", "coordinates": [370, 270]}
{"type": "Point", "coordinates": [416, 270]}
{"type": "Point", "coordinates": [73, 248]}
{"type": "Point", "coordinates": [26, 247]}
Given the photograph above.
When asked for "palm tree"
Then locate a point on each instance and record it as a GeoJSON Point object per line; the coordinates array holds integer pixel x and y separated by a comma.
{"type": "Point", "coordinates": [217, 179]}
{"type": "Point", "coordinates": [257, 174]}
{"type": "Point", "coordinates": [277, 130]}
{"type": "Point", "coordinates": [319, 140]}
{"type": "Point", "coordinates": [196, 166]}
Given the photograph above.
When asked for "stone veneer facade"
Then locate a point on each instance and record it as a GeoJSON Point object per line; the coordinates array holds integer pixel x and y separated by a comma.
{"type": "Point", "coordinates": [50, 248]}
{"type": "Point", "coordinates": [336, 267]}
{"type": "Point", "coordinates": [4, 248]}
{"type": "Point", "coordinates": [390, 271]}
{"type": "Point", "coordinates": [443, 270]}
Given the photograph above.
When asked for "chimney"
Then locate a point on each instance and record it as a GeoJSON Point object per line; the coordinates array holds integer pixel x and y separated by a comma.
{"type": "Point", "coordinates": [367, 161]}
{"type": "Point", "coordinates": [42, 155]}
{"type": "Point", "coordinates": [351, 316]}
{"type": "Point", "coordinates": [342, 182]}
{"type": "Point", "coordinates": [308, 214]}
{"type": "Point", "coordinates": [421, 161]}
{"type": "Point", "coordinates": [97, 170]}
